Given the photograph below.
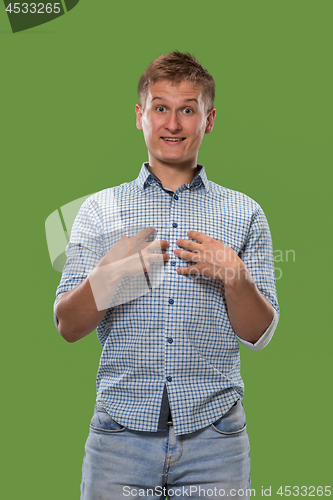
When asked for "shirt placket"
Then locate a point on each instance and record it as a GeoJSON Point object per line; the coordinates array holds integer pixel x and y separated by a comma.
{"type": "Point", "coordinates": [172, 304]}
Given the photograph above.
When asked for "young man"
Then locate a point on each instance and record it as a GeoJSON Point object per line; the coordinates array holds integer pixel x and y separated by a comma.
{"type": "Point", "coordinates": [169, 418]}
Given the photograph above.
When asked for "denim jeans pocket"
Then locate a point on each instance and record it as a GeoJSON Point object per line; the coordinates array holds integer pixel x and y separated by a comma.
{"type": "Point", "coordinates": [233, 422]}
{"type": "Point", "coordinates": [102, 422]}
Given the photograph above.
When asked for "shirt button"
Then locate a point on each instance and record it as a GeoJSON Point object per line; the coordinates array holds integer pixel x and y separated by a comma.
{"type": "Point", "coordinates": [176, 197]}
{"type": "Point", "coordinates": [169, 379]}
{"type": "Point", "coordinates": [170, 341]}
{"type": "Point", "coordinates": [175, 224]}
{"type": "Point", "coordinates": [171, 301]}
{"type": "Point", "coordinates": [173, 262]}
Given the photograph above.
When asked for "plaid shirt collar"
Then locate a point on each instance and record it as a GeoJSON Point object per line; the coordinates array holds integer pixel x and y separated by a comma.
{"type": "Point", "coordinates": [147, 178]}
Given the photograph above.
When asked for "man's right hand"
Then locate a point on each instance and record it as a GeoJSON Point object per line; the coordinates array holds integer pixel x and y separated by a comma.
{"type": "Point", "coordinates": [77, 311]}
{"type": "Point", "coordinates": [127, 257]}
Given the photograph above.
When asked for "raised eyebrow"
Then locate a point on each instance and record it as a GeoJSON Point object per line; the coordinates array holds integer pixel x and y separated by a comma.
{"type": "Point", "coordinates": [185, 100]}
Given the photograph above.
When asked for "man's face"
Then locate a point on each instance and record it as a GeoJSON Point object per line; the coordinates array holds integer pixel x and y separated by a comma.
{"type": "Point", "coordinates": [174, 122]}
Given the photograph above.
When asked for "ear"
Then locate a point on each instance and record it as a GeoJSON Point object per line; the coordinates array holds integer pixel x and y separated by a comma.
{"type": "Point", "coordinates": [138, 111]}
{"type": "Point", "coordinates": [210, 121]}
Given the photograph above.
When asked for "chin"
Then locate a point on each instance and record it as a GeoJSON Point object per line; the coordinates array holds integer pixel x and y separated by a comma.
{"type": "Point", "coordinates": [174, 157]}
{"type": "Point", "coordinates": [176, 161]}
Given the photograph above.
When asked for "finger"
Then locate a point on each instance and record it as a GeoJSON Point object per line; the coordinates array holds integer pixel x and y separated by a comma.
{"type": "Point", "coordinates": [146, 232]}
{"type": "Point", "coordinates": [157, 245]}
{"type": "Point", "coordinates": [188, 270]}
{"type": "Point", "coordinates": [153, 258]}
{"type": "Point", "coordinates": [195, 235]}
{"type": "Point", "coordinates": [188, 244]}
{"type": "Point", "coordinates": [164, 244]}
{"type": "Point", "coordinates": [139, 262]}
{"type": "Point", "coordinates": [157, 256]}
{"type": "Point", "coordinates": [182, 254]}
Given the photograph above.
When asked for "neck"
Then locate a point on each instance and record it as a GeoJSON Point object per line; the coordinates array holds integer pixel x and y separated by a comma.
{"type": "Point", "coordinates": [173, 176]}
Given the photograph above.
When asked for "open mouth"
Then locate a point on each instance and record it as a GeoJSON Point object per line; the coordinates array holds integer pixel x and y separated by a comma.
{"type": "Point", "coordinates": [173, 139]}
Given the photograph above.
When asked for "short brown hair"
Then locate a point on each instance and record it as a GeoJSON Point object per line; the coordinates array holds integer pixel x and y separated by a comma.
{"type": "Point", "coordinates": [177, 66]}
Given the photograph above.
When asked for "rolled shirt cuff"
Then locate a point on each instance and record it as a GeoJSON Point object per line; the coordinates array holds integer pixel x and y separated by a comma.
{"type": "Point", "coordinates": [265, 337]}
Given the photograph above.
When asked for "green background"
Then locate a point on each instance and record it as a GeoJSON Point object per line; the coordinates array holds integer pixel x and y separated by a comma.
{"type": "Point", "coordinates": [68, 91]}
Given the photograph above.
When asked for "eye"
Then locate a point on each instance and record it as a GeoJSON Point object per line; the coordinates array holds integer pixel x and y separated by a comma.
{"type": "Point", "coordinates": [160, 109]}
{"type": "Point", "coordinates": [188, 111]}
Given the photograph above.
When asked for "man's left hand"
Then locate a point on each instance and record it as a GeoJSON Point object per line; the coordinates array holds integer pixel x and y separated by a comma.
{"type": "Point", "coordinates": [212, 258]}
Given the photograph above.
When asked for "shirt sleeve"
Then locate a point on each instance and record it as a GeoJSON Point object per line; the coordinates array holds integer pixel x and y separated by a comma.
{"type": "Point", "coordinates": [265, 338]}
{"type": "Point", "coordinates": [257, 255]}
{"type": "Point", "coordinates": [84, 250]}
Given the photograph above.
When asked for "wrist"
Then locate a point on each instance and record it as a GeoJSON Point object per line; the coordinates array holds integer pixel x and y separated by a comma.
{"type": "Point", "coordinates": [237, 277]}
{"type": "Point", "coordinates": [106, 274]}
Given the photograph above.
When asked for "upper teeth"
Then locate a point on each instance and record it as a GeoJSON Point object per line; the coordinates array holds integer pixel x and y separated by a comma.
{"type": "Point", "coordinates": [172, 139]}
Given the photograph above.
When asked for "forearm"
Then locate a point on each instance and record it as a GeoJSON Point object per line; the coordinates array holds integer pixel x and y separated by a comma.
{"type": "Point", "coordinates": [77, 312]}
{"type": "Point", "coordinates": [250, 314]}
{"type": "Point", "coordinates": [81, 310]}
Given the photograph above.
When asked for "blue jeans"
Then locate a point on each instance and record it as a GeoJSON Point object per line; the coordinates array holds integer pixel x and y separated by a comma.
{"type": "Point", "coordinates": [213, 462]}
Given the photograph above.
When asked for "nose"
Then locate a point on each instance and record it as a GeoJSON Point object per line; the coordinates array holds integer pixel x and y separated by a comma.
{"type": "Point", "coordinates": [173, 123]}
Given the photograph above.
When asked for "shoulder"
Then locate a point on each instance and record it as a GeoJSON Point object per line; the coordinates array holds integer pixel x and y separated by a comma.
{"type": "Point", "coordinates": [234, 200]}
{"type": "Point", "coordinates": [109, 196]}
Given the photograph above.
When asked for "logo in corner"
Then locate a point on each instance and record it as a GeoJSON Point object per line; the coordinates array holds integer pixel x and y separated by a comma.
{"type": "Point", "coordinates": [26, 15]}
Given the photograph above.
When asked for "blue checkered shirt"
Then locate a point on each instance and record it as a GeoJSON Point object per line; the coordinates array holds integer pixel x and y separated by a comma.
{"type": "Point", "coordinates": [178, 335]}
